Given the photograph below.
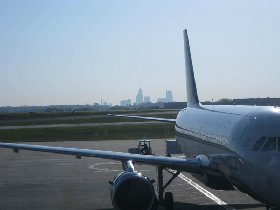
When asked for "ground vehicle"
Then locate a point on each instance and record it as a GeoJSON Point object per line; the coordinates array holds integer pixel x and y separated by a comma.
{"type": "Point", "coordinates": [144, 148]}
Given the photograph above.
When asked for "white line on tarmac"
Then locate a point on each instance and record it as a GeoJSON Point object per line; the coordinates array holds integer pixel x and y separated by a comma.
{"type": "Point", "coordinates": [206, 192]}
{"type": "Point", "coordinates": [101, 167]}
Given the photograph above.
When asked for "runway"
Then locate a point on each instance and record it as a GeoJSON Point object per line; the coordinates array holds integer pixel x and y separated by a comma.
{"type": "Point", "coordinates": [33, 180]}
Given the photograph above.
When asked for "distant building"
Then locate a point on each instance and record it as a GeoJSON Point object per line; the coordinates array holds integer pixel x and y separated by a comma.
{"type": "Point", "coordinates": [126, 102]}
{"type": "Point", "coordinates": [139, 97]}
{"type": "Point", "coordinates": [161, 100]}
{"type": "Point", "coordinates": [147, 99]}
{"type": "Point", "coordinates": [175, 105]}
{"type": "Point", "coordinates": [168, 96]}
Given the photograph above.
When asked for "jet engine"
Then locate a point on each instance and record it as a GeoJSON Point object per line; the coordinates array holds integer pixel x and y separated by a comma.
{"type": "Point", "coordinates": [132, 190]}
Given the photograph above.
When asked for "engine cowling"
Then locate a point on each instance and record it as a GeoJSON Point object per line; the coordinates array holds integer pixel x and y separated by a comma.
{"type": "Point", "coordinates": [132, 190]}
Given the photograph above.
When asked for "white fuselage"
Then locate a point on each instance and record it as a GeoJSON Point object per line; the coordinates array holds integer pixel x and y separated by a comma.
{"type": "Point", "coordinates": [217, 130]}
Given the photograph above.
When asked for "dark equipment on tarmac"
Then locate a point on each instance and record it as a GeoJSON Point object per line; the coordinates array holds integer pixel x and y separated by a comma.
{"type": "Point", "coordinates": [144, 148]}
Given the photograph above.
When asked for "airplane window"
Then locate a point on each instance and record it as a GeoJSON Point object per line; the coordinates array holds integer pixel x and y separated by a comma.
{"type": "Point", "coordinates": [259, 143]}
{"type": "Point", "coordinates": [270, 144]}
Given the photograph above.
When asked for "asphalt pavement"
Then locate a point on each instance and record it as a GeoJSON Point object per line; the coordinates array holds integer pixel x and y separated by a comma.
{"type": "Point", "coordinates": [34, 180]}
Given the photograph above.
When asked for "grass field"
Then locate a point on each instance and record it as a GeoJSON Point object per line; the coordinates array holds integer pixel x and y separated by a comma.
{"type": "Point", "coordinates": [89, 133]}
{"type": "Point", "coordinates": [69, 118]}
{"type": "Point", "coordinates": [102, 132]}
{"type": "Point", "coordinates": [44, 115]}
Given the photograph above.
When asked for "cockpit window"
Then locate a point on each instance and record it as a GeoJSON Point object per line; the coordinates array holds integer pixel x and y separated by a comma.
{"type": "Point", "coordinates": [270, 144]}
{"type": "Point", "coordinates": [259, 143]}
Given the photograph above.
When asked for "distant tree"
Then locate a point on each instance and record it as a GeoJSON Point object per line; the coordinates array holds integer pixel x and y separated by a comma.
{"type": "Point", "coordinates": [225, 101]}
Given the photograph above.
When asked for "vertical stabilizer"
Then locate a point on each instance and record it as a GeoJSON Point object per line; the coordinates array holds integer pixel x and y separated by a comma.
{"type": "Point", "coordinates": [192, 97]}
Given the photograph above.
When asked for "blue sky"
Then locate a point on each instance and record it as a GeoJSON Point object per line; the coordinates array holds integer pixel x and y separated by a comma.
{"type": "Point", "coordinates": [77, 52]}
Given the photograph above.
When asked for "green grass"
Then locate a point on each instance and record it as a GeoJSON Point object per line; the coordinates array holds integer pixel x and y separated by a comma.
{"type": "Point", "coordinates": [94, 119]}
{"type": "Point", "coordinates": [34, 115]}
{"type": "Point", "coordinates": [102, 132]}
{"type": "Point", "coordinates": [124, 132]}
{"type": "Point", "coordinates": [43, 119]}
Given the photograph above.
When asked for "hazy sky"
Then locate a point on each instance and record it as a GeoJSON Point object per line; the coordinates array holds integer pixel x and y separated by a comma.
{"type": "Point", "coordinates": [77, 52]}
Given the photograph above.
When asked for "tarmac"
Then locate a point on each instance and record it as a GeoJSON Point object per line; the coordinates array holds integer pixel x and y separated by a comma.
{"type": "Point", "coordinates": [34, 180]}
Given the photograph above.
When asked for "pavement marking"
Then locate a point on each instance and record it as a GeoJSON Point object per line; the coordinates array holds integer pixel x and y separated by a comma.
{"type": "Point", "coordinates": [206, 192]}
{"type": "Point", "coordinates": [99, 167]}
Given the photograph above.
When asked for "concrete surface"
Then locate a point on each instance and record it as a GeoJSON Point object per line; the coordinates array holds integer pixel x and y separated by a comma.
{"type": "Point", "coordinates": [33, 180]}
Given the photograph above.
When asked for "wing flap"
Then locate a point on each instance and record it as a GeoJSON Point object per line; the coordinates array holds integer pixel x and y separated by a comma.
{"type": "Point", "coordinates": [182, 164]}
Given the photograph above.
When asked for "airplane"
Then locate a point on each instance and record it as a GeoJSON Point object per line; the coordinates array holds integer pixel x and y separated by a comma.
{"type": "Point", "coordinates": [226, 146]}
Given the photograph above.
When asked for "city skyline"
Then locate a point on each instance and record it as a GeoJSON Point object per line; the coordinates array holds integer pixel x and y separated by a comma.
{"type": "Point", "coordinates": [141, 98]}
{"type": "Point", "coordinates": [72, 52]}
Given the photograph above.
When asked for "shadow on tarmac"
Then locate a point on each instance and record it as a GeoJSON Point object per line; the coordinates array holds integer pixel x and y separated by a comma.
{"type": "Point", "coordinates": [184, 206]}
{"type": "Point", "coordinates": [179, 206]}
{"type": "Point", "coordinates": [248, 206]}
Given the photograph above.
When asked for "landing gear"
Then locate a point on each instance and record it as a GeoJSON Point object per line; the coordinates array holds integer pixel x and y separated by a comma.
{"type": "Point", "coordinates": [168, 201]}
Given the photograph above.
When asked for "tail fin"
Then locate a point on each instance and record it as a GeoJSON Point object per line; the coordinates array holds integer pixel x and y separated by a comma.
{"type": "Point", "coordinates": [192, 97]}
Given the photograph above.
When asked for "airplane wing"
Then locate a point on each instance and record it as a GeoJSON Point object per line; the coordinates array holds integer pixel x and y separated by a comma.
{"type": "Point", "coordinates": [182, 164]}
{"type": "Point", "coordinates": [144, 118]}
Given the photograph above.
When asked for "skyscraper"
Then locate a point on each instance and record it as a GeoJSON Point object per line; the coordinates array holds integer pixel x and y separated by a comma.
{"type": "Point", "coordinates": [168, 96]}
{"type": "Point", "coordinates": [147, 99]}
{"type": "Point", "coordinates": [126, 102]}
{"type": "Point", "coordinates": [139, 97]}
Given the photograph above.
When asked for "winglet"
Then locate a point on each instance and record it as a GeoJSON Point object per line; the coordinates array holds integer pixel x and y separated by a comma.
{"type": "Point", "coordinates": [192, 97]}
